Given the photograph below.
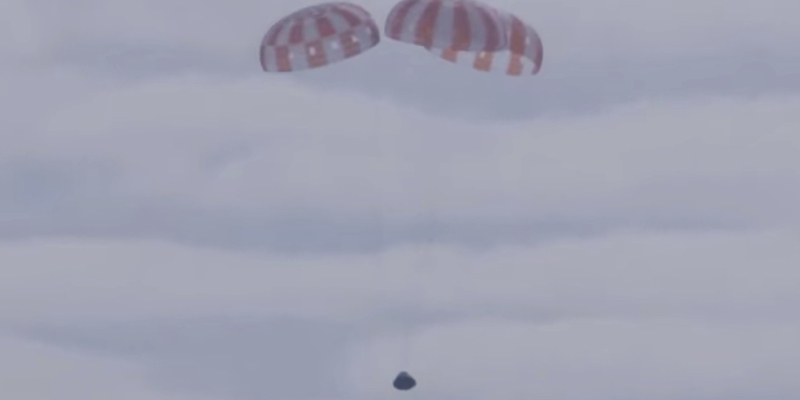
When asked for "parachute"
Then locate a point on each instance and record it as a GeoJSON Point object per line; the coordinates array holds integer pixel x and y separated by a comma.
{"type": "Point", "coordinates": [317, 36]}
{"type": "Point", "coordinates": [468, 32]}
{"type": "Point", "coordinates": [459, 31]}
{"type": "Point", "coordinates": [459, 25]}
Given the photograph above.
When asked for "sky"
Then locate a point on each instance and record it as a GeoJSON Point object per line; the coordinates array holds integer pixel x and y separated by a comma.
{"type": "Point", "coordinates": [176, 224]}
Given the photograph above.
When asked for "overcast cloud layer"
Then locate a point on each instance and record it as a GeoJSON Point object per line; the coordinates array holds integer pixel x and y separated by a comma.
{"type": "Point", "coordinates": [177, 225]}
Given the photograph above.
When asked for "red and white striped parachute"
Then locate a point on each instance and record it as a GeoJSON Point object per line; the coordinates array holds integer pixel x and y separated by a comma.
{"type": "Point", "coordinates": [468, 32]}
{"type": "Point", "coordinates": [440, 24]}
{"type": "Point", "coordinates": [316, 36]}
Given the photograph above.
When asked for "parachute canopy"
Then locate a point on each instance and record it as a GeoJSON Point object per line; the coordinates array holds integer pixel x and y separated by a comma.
{"type": "Point", "coordinates": [447, 24]}
{"type": "Point", "coordinates": [468, 32]}
{"type": "Point", "coordinates": [317, 36]}
{"type": "Point", "coordinates": [404, 381]}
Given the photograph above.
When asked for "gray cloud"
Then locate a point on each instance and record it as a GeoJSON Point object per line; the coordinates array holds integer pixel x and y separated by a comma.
{"type": "Point", "coordinates": [70, 197]}
{"type": "Point", "coordinates": [569, 86]}
{"type": "Point", "coordinates": [222, 357]}
{"type": "Point", "coordinates": [34, 370]}
{"type": "Point", "coordinates": [178, 225]}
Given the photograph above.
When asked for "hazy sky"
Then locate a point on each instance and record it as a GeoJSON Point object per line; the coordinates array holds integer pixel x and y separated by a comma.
{"type": "Point", "coordinates": [176, 224]}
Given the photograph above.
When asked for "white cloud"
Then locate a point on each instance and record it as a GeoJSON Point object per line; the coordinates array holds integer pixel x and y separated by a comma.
{"type": "Point", "coordinates": [30, 94]}
{"type": "Point", "coordinates": [588, 359]}
{"type": "Point", "coordinates": [572, 29]}
{"type": "Point", "coordinates": [338, 151]}
{"type": "Point", "coordinates": [635, 313]}
{"type": "Point", "coordinates": [658, 28]}
{"type": "Point", "coordinates": [727, 276]}
{"type": "Point", "coordinates": [34, 371]}
{"type": "Point", "coordinates": [19, 32]}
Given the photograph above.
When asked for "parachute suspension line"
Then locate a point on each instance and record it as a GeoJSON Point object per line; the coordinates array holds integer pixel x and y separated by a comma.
{"type": "Point", "coordinates": [425, 233]}
{"type": "Point", "coordinates": [411, 279]}
{"type": "Point", "coordinates": [380, 209]}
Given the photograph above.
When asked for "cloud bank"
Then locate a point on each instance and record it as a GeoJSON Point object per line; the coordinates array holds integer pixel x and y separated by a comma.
{"type": "Point", "coordinates": [177, 225]}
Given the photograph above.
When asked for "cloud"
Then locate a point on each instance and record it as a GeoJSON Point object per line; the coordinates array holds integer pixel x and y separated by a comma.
{"type": "Point", "coordinates": [220, 356]}
{"type": "Point", "coordinates": [597, 53]}
{"type": "Point", "coordinates": [738, 276]}
{"type": "Point", "coordinates": [626, 220]}
{"type": "Point", "coordinates": [587, 359]}
{"type": "Point", "coordinates": [272, 146]}
{"type": "Point", "coordinates": [35, 371]}
{"type": "Point", "coordinates": [235, 162]}
{"type": "Point", "coordinates": [242, 152]}
{"type": "Point", "coordinates": [612, 25]}
{"type": "Point", "coordinates": [690, 316]}
{"type": "Point", "coordinates": [21, 34]}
